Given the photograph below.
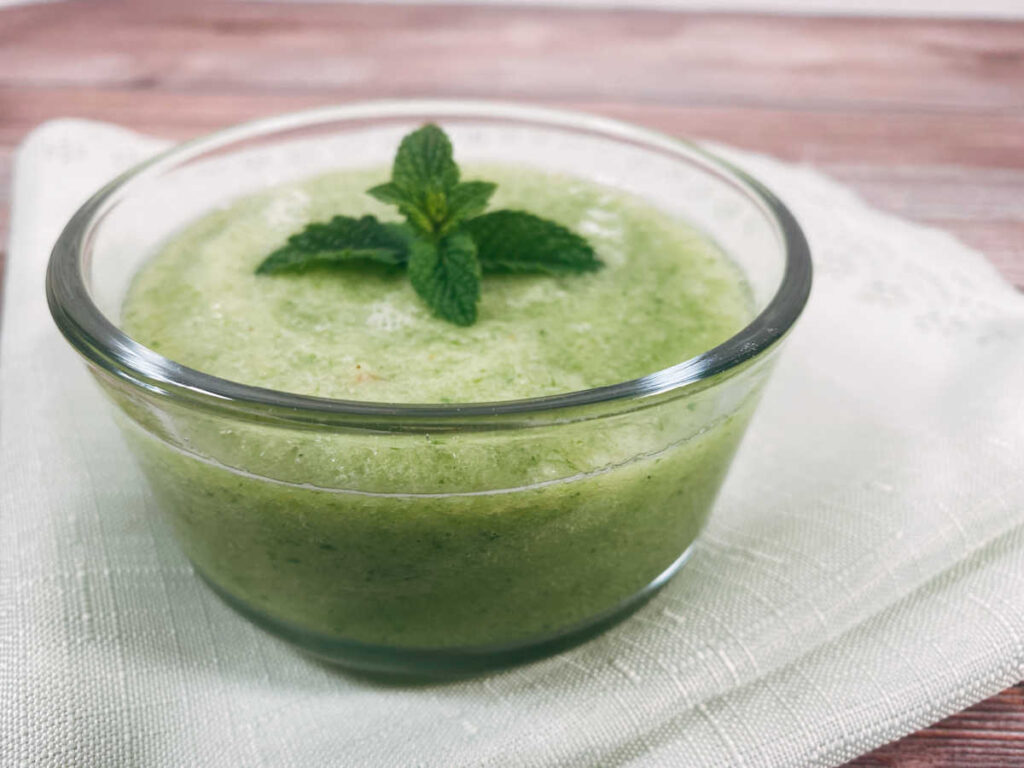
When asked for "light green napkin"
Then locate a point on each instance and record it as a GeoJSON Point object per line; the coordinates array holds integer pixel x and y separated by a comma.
{"type": "Point", "coordinates": [863, 575]}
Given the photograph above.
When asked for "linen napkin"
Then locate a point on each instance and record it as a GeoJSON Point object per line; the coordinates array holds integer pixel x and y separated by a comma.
{"type": "Point", "coordinates": [863, 574]}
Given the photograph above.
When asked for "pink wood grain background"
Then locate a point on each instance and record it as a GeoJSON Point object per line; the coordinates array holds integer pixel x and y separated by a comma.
{"type": "Point", "coordinates": [925, 118]}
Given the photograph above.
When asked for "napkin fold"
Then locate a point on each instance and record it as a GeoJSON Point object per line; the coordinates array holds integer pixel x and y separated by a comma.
{"type": "Point", "coordinates": [863, 574]}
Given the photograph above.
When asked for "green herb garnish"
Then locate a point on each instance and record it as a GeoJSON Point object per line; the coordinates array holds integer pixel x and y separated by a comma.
{"type": "Point", "coordinates": [447, 241]}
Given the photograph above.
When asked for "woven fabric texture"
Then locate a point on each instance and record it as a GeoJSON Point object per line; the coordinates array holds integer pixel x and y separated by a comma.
{"type": "Point", "coordinates": [863, 574]}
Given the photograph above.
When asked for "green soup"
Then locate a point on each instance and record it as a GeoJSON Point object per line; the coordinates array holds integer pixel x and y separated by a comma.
{"type": "Point", "coordinates": [438, 539]}
{"type": "Point", "coordinates": [361, 333]}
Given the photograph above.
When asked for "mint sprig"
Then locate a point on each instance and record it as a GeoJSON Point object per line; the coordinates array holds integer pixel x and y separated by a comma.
{"type": "Point", "coordinates": [447, 242]}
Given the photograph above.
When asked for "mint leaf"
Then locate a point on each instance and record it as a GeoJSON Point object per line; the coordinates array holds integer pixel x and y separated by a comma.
{"type": "Point", "coordinates": [341, 239]}
{"type": "Point", "coordinates": [288, 260]}
{"type": "Point", "coordinates": [447, 277]}
{"type": "Point", "coordinates": [434, 211]}
{"type": "Point", "coordinates": [466, 199]}
{"type": "Point", "coordinates": [391, 193]}
{"type": "Point", "coordinates": [516, 241]}
{"type": "Point", "coordinates": [411, 207]}
{"type": "Point", "coordinates": [425, 163]}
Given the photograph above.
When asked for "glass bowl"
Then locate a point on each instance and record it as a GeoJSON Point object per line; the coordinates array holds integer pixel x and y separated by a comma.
{"type": "Point", "coordinates": [430, 539]}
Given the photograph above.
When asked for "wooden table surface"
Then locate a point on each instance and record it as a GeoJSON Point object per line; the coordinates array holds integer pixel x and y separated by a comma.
{"type": "Point", "coordinates": [924, 118]}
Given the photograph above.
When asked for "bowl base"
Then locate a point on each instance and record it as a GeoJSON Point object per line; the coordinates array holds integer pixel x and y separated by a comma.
{"type": "Point", "coordinates": [444, 662]}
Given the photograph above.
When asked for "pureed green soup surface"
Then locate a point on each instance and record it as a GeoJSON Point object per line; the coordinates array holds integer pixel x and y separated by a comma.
{"type": "Point", "coordinates": [664, 295]}
{"type": "Point", "coordinates": [442, 540]}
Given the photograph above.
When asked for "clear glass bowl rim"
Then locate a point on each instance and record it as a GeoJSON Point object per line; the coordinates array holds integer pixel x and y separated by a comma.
{"type": "Point", "coordinates": [110, 349]}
